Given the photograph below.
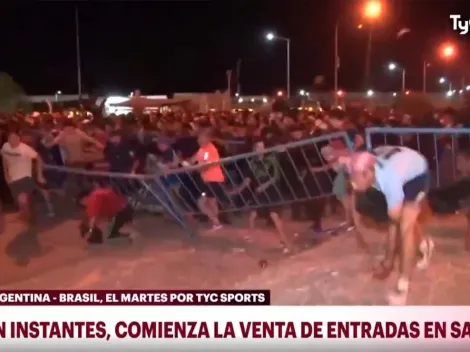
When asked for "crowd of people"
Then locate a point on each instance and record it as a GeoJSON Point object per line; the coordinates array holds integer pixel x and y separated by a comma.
{"type": "Point", "coordinates": [209, 165]}
{"type": "Point", "coordinates": [158, 144]}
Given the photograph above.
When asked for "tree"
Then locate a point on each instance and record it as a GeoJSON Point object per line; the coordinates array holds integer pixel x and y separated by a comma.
{"type": "Point", "coordinates": [11, 95]}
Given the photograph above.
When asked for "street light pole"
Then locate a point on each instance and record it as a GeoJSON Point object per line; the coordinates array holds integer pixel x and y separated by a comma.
{"type": "Point", "coordinates": [372, 11]}
{"type": "Point", "coordinates": [288, 67]}
{"type": "Point", "coordinates": [368, 58]}
{"type": "Point", "coordinates": [271, 36]}
{"type": "Point", "coordinates": [425, 71]}
{"type": "Point", "coordinates": [403, 80]}
{"type": "Point", "coordinates": [392, 67]}
{"type": "Point", "coordinates": [239, 64]}
{"type": "Point", "coordinates": [336, 62]}
{"type": "Point", "coordinates": [77, 44]}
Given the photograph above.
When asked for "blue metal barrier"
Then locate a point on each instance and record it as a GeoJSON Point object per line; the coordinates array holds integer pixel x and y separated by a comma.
{"type": "Point", "coordinates": [144, 192]}
{"type": "Point", "coordinates": [290, 164]}
{"type": "Point", "coordinates": [440, 146]}
{"type": "Point", "coordinates": [264, 179]}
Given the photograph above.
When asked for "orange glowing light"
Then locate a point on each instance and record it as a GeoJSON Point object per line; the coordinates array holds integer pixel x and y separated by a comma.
{"type": "Point", "coordinates": [280, 94]}
{"type": "Point", "coordinates": [373, 9]}
{"type": "Point", "coordinates": [340, 93]}
{"type": "Point", "coordinates": [448, 51]}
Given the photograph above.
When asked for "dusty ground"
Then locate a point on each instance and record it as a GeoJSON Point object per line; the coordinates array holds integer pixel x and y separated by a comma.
{"type": "Point", "coordinates": [337, 273]}
{"type": "Point", "coordinates": [330, 270]}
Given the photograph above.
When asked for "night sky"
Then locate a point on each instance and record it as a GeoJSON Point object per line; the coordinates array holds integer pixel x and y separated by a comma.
{"type": "Point", "coordinates": [187, 46]}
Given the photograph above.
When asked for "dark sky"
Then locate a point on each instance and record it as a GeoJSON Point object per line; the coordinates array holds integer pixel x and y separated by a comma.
{"type": "Point", "coordinates": [181, 46]}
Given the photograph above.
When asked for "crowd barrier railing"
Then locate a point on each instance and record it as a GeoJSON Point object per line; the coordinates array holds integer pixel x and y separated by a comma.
{"type": "Point", "coordinates": [273, 177]}
{"type": "Point", "coordinates": [440, 146]}
{"type": "Point", "coordinates": [144, 192]}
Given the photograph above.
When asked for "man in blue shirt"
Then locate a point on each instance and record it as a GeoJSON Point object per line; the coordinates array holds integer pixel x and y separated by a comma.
{"type": "Point", "coordinates": [401, 174]}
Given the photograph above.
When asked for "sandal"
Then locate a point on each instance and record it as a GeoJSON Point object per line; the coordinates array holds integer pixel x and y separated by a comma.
{"type": "Point", "coordinates": [383, 271]}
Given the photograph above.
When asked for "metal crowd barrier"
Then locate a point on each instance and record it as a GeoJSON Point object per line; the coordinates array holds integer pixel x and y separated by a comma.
{"type": "Point", "coordinates": [293, 170]}
{"type": "Point", "coordinates": [144, 192]}
{"type": "Point", "coordinates": [440, 146]}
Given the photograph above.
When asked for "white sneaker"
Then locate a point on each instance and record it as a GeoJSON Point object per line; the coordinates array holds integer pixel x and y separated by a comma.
{"type": "Point", "coordinates": [426, 248]}
{"type": "Point", "coordinates": [134, 236]}
{"type": "Point", "coordinates": [397, 298]}
{"type": "Point", "coordinates": [216, 227]}
{"type": "Point", "coordinates": [347, 225]}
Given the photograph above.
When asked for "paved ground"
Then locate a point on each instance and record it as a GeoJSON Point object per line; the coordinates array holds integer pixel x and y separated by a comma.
{"type": "Point", "coordinates": [53, 256]}
{"type": "Point", "coordinates": [331, 271]}
{"type": "Point", "coordinates": [337, 273]}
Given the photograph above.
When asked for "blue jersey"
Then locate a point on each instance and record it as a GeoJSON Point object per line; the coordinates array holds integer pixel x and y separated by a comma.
{"type": "Point", "coordinates": [394, 168]}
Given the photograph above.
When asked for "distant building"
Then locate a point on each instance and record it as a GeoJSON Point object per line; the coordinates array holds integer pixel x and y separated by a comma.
{"type": "Point", "coordinates": [54, 98]}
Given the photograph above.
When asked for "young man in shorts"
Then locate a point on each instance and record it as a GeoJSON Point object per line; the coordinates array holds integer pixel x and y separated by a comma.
{"type": "Point", "coordinates": [213, 177]}
{"type": "Point", "coordinates": [105, 206]}
{"type": "Point", "coordinates": [18, 158]}
{"type": "Point", "coordinates": [263, 180]}
{"type": "Point", "coordinates": [402, 175]}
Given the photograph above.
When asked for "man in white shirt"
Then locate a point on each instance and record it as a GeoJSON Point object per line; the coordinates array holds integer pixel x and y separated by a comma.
{"type": "Point", "coordinates": [18, 171]}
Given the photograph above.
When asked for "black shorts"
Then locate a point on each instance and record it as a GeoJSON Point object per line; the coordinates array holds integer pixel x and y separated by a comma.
{"type": "Point", "coordinates": [213, 190]}
{"type": "Point", "coordinates": [415, 186]}
{"type": "Point", "coordinates": [23, 185]}
{"type": "Point", "coordinates": [269, 201]}
{"type": "Point", "coordinates": [372, 203]}
{"type": "Point", "coordinates": [119, 220]}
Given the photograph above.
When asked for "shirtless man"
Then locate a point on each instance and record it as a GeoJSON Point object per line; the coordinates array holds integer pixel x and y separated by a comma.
{"type": "Point", "coordinates": [402, 175]}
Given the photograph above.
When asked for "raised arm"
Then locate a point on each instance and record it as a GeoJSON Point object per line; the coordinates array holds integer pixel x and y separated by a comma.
{"type": "Point", "coordinates": [59, 138]}
{"type": "Point", "coordinates": [85, 137]}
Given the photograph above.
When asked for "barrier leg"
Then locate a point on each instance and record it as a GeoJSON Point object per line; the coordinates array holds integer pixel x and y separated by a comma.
{"type": "Point", "coordinates": [163, 196]}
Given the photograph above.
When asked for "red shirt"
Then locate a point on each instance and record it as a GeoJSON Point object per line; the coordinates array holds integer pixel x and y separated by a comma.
{"type": "Point", "coordinates": [104, 203]}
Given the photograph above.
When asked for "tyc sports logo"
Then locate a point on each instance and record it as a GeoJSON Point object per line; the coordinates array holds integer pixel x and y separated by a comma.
{"type": "Point", "coordinates": [462, 26]}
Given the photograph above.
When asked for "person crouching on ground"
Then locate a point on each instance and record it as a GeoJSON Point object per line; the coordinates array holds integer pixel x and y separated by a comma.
{"type": "Point", "coordinates": [402, 175]}
{"type": "Point", "coordinates": [104, 205]}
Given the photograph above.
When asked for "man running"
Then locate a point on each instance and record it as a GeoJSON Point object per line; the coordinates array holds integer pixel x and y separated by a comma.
{"type": "Point", "coordinates": [212, 176]}
{"type": "Point", "coordinates": [18, 160]}
{"type": "Point", "coordinates": [402, 175]}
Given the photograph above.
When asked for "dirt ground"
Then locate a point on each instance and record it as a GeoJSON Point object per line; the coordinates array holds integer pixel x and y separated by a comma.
{"type": "Point", "coordinates": [325, 270]}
